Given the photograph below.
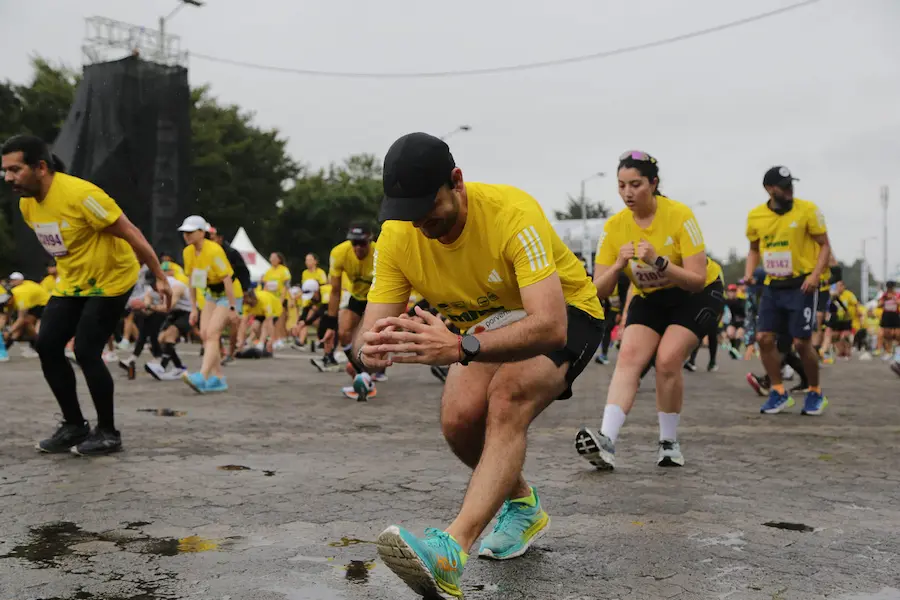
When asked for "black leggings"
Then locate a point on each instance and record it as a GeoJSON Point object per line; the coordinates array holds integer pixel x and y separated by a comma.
{"type": "Point", "coordinates": [149, 330]}
{"type": "Point", "coordinates": [609, 325]}
{"type": "Point", "coordinates": [91, 321]}
{"type": "Point", "coordinates": [712, 334]}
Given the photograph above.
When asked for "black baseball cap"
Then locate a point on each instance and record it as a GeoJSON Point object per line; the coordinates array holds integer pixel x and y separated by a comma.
{"type": "Point", "coordinates": [359, 232]}
{"type": "Point", "coordinates": [415, 168]}
{"type": "Point", "coordinates": [778, 176]}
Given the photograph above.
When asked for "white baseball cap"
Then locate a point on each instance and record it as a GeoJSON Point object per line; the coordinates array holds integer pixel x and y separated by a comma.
{"type": "Point", "coordinates": [194, 223]}
{"type": "Point", "coordinates": [310, 287]}
{"type": "Point", "coordinates": [16, 276]}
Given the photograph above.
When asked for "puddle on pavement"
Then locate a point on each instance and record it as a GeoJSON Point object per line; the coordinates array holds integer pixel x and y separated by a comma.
{"type": "Point", "coordinates": [163, 412]}
{"type": "Point", "coordinates": [234, 468]}
{"type": "Point", "coordinates": [49, 543]}
{"type": "Point", "coordinates": [789, 526]}
{"type": "Point", "coordinates": [486, 587]}
{"type": "Point", "coordinates": [136, 524]}
{"type": "Point", "coordinates": [344, 542]}
{"type": "Point", "coordinates": [358, 570]}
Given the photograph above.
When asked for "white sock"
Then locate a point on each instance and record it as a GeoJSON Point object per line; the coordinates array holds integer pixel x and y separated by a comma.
{"type": "Point", "coordinates": [613, 419]}
{"type": "Point", "coordinates": [668, 426]}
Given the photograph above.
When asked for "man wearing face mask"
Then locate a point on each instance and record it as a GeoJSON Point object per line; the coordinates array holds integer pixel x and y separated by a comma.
{"type": "Point", "coordinates": [788, 237]}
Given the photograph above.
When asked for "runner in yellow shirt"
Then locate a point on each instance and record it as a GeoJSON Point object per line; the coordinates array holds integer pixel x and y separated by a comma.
{"type": "Point", "coordinates": [277, 281]}
{"type": "Point", "coordinates": [845, 314]}
{"type": "Point", "coordinates": [484, 256]}
{"type": "Point", "coordinates": [210, 274]}
{"type": "Point", "coordinates": [98, 252]}
{"type": "Point", "coordinates": [262, 311]}
{"type": "Point", "coordinates": [678, 299]}
{"type": "Point", "coordinates": [49, 280]}
{"type": "Point", "coordinates": [788, 237]}
{"type": "Point", "coordinates": [28, 300]}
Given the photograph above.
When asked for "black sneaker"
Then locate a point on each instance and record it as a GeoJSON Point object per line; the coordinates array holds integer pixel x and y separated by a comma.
{"type": "Point", "coordinates": [67, 436]}
{"type": "Point", "coordinates": [689, 366]}
{"type": "Point", "coordinates": [712, 367]}
{"type": "Point", "coordinates": [98, 443]}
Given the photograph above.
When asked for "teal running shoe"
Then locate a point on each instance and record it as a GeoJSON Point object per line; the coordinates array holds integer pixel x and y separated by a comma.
{"type": "Point", "coordinates": [195, 381]}
{"type": "Point", "coordinates": [216, 384]}
{"type": "Point", "coordinates": [518, 526]}
{"type": "Point", "coordinates": [430, 566]}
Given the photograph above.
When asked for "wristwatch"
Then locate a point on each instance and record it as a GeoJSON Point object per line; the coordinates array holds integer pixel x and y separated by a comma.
{"type": "Point", "coordinates": [661, 263]}
{"type": "Point", "coordinates": [471, 347]}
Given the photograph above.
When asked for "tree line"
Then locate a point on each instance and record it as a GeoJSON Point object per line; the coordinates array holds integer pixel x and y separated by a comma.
{"type": "Point", "coordinates": [244, 177]}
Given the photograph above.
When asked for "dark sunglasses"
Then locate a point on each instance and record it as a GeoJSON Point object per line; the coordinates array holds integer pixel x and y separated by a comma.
{"type": "Point", "coordinates": [358, 243]}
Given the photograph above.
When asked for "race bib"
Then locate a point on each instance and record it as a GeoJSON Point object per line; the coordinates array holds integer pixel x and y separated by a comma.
{"type": "Point", "coordinates": [647, 277]}
{"type": "Point", "coordinates": [198, 279]}
{"type": "Point", "coordinates": [497, 320]}
{"type": "Point", "coordinates": [272, 286]}
{"type": "Point", "coordinates": [49, 236]}
{"type": "Point", "coordinates": [890, 305]}
{"type": "Point", "coordinates": [779, 264]}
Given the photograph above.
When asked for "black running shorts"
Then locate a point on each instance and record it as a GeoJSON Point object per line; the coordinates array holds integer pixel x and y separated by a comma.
{"type": "Point", "coordinates": [675, 306]}
{"type": "Point", "coordinates": [357, 306]}
{"type": "Point", "coordinates": [583, 337]}
{"type": "Point", "coordinates": [180, 319]}
{"type": "Point", "coordinates": [890, 320]}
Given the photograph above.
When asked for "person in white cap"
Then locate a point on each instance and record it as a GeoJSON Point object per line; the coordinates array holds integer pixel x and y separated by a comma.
{"type": "Point", "coordinates": [28, 300]}
{"type": "Point", "coordinates": [210, 273]}
{"type": "Point", "coordinates": [98, 252]}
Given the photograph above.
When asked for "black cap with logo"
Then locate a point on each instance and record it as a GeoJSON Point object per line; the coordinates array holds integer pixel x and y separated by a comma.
{"type": "Point", "coordinates": [359, 232]}
{"type": "Point", "coordinates": [780, 176]}
{"type": "Point", "coordinates": [415, 168]}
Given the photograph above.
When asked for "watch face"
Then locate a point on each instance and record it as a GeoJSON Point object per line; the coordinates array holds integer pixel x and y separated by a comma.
{"type": "Point", "coordinates": [470, 345]}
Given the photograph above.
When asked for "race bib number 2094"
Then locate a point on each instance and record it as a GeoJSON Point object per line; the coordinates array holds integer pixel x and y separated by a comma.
{"type": "Point", "coordinates": [50, 237]}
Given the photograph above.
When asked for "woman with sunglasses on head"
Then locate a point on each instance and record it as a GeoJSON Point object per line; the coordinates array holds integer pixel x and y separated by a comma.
{"type": "Point", "coordinates": [678, 292]}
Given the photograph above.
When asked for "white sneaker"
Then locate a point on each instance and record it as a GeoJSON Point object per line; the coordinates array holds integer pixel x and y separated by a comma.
{"type": "Point", "coordinates": [124, 345]}
{"type": "Point", "coordinates": [865, 356]}
{"type": "Point", "coordinates": [29, 352]}
{"type": "Point", "coordinates": [155, 370]}
{"type": "Point", "coordinates": [670, 454]}
{"type": "Point", "coordinates": [109, 356]}
{"type": "Point", "coordinates": [787, 372]}
{"type": "Point", "coordinates": [172, 374]}
{"type": "Point", "coordinates": [379, 377]}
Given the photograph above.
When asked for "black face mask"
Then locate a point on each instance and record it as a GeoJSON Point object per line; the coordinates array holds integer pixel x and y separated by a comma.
{"type": "Point", "coordinates": [781, 207]}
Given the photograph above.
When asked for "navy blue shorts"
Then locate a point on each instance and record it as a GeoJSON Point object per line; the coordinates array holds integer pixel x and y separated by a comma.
{"type": "Point", "coordinates": [787, 311]}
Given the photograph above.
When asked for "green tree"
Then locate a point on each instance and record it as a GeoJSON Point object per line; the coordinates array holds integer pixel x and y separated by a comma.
{"type": "Point", "coordinates": [595, 210]}
{"type": "Point", "coordinates": [240, 171]}
{"type": "Point", "coordinates": [320, 207]}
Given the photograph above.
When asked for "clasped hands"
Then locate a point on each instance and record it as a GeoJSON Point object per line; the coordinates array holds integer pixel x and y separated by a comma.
{"type": "Point", "coordinates": [422, 339]}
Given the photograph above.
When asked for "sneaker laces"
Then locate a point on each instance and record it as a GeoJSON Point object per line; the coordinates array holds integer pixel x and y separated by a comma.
{"type": "Point", "coordinates": [507, 513]}
{"type": "Point", "coordinates": [441, 542]}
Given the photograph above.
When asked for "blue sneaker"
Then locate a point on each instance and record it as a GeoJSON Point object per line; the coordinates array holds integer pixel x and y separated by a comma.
{"type": "Point", "coordinates": [195, 381]}
{"type": "Point", "coordinates": [4, 355]}
{"type": "Point", "coordinates": [814, 404]}
{"type": "Point", "coordinates": [601, 359]}
{"type": "Point", "coordinates": [430, 566]}
{"type": "Point", "coordinates": [776, 403]}
{"type": "Point", "coordinates": [216, 384]}
{"type": "Point", "coordinates": [518, 526]}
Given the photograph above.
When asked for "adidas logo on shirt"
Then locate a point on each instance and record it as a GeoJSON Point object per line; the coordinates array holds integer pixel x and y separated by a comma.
{"type": "Point", "coordinates": [494, 277]}
{"type": "Point", "coordinates": [669, 241]}
{"type": "Point", "coordinates": [793, 224]}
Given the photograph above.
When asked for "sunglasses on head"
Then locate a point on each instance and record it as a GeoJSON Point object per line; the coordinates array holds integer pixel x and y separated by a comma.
{"type": "Point", "coordinates": [637, 155]}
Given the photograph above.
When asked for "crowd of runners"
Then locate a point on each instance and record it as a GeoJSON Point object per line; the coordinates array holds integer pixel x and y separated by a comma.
{"type": "Point", "coordinates": [469, 279]}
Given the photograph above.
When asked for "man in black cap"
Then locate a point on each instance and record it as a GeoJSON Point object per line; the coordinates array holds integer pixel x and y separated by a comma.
{"type": "Point", "coordinates": [788, 237]}
{"type": "Point", "coordinates": [354, 257]}
{"type": "Point", "coordinates": [487, 259]}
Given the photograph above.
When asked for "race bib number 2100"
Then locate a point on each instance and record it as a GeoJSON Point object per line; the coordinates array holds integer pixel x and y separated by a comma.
{"type": "Point", "coordinates": [50, 237]}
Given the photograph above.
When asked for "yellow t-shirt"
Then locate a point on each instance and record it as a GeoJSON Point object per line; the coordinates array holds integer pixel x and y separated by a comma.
{"type": "Point", "coordinates": [847, 306]}
{"type": "Point", "coordinates": [69, 224]}
{"type": "Point", "coordinates": [49, 283]}
{"type": "Point", "coordinates": [267, 305]}
{"type": "Point", "coordinates": [277, 280]}
{"type": "Point", "coordinates": [359, 272]}
{"type": "Point", "coordinates": [29, 294]}
{"type": "Point", "coordinates": [320, 276]}
{"type": "Point", "coordinates": [786, 245]}
{"type": "Point", "coordinates": [208, 267]}
{"type": "Point", "coordinates": [674, 233]}
{"type": "Point", "coordinates": [507, 244]}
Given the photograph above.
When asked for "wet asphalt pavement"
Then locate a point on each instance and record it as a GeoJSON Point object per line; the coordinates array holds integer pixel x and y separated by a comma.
{"type": "Point", "coordinates": [275, 491]}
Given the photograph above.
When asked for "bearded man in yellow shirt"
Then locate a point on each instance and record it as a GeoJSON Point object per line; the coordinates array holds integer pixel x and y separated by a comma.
{"type": "Point", "coordinates": [98, 252]}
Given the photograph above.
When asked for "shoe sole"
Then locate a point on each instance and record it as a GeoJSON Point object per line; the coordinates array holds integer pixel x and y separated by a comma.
{"type": "Point", "coordinates": [815, 413]}
{"type": "Point", "coordinates": [488, 555]}
{"type": "Point", "coordinates": [589, 448]}
{"type": "Point", "coordinates": [668, 461]}
{"type": "Point", "coordinates": [406, 564]}
{"type": "Point", "coordinates": [190, 384]}
{"type": "Point", "coordinates": [75, 451]}
{"type": "Point", "coordinates": [60, 451]}
{"type": "Point", "coordinates": [151, 373]}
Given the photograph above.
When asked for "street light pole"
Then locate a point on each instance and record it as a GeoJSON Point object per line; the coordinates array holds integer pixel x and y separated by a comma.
{"type": "Point", "coordinates": [162, 25]}
{"type": "Point", "coordinates": [884, 223]}
{"type": "Point", "coordinates": [585, 240]}
{"type": "Point", "coordinates": [455, 131]}
{"type": "Point", "coordinates": [864, 271]}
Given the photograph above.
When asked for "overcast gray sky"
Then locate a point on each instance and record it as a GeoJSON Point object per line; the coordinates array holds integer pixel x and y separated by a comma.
{"type": "Point", "coordinates": [816, 89]}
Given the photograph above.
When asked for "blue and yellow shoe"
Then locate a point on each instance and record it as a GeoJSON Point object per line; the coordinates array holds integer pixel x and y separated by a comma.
{"type": "Point", "coordinates": [195, 381]}
{"type": "Point", "coordinates": [776, 403]}
{"type": "Point", "coordinates": [520, 523]}
{"type": "Point", "coordinates": [814, 404]}
{"type": "Point", "coordinates": [216, 384]}
{"type": "Point", "coordinates": [430, 566]}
